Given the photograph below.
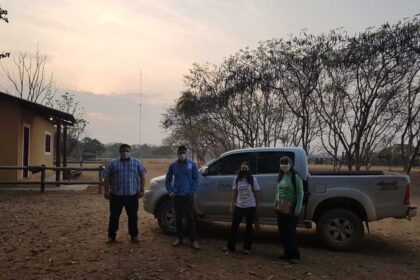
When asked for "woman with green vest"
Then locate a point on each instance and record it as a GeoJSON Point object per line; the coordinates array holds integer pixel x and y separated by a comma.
{"type": "Point", "coordinates": [288, 204]}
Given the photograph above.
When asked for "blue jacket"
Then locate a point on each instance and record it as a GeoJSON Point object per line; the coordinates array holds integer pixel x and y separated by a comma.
{"type": "Point", "coordinates": [185, 178]}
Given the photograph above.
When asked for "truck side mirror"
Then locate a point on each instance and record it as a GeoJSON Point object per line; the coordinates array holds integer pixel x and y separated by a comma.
{"type": "Point", "coordinates": [205, 171]}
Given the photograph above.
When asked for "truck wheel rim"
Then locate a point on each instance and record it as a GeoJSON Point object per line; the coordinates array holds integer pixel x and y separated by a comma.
{"type": "Point", "coordinates": [340, 230]}
{"type": "Point", "coordinates": [169, 218]}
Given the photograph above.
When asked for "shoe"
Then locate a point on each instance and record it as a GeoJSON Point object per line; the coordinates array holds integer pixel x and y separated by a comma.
{"type": "Point", "coordinates": [177, 242]}
{"type": "Point", "coordinates": [247, 252]}
{"type": "Point", "coordinates": [111, 240]}
{"type": "Point", "coordinates": [293, 261]}
{"type": "Point", "coordinates": [134, 239]}
{"type": "Point", "coordinates": [227, 249]}
{"type": "Point", "coordinates": [195, 245]}
{"type": "Point", "coordinates": [282, 257]}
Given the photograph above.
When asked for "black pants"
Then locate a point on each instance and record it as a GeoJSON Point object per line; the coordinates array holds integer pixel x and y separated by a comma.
{"type": "Point", "coordinates": [238, 215]}
{"type": "Point", "coordinates": [288, 236]}
{"type": "Point", "coordinates": [116, 204]}
{"type": "Point", "coordinates": [183, 206]}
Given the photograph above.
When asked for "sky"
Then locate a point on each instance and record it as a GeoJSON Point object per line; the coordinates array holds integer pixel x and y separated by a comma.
{"type": "Point", "coordinates": [97, 48]}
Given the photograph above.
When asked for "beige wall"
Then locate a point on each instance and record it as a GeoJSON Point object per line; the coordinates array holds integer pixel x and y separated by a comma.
{"type": "Point", "coordinates": [38, 127]}
{"type": "Point", "coordinates": [9, 125]}
{"type": "Point", "coordinates": [13, 117]}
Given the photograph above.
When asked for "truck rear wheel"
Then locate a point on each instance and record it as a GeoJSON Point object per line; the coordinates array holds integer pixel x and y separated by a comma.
{"type": "Point", "coordinates": [340, 229]}
{"type": "Point", "coordinates": [166, 217]}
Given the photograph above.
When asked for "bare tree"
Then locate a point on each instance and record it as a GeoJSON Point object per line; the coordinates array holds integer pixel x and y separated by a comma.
{"type": "Point", "coordinates": [29, 79]}
{"type": "Point", "coordinates": [3, 16]}
{"type": "Point", "coordinates": [67, 103]}
{"type": "Point", "coordinates": [296, 67]}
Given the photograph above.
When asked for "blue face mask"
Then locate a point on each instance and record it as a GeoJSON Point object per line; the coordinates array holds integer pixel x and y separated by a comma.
{"type": "Point", "coordinates": [125, 155]}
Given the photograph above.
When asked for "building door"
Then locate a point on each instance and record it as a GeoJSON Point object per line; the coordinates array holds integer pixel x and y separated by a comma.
{"type": "Point", "coordinates": [26, 137]}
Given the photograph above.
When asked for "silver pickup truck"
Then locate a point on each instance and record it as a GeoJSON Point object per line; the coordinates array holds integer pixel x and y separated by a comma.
{"type": "Point", "coordinates": [337, 202]}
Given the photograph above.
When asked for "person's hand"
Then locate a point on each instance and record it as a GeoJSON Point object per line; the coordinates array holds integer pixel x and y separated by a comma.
{"type": "Point", "coordinates": [107, 195]}
{"type": "Point", "coordinates": [231, 209]}
{"type": "Point", "coordinates": [140, 194]}
{"type": "Point", "coordinates": [297, 213]}
{"type": "Point", "coordinates": [172, 195]}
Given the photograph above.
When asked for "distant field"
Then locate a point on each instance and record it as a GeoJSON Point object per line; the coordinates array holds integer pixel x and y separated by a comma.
{"type": "Point", "coordinates": [157, 167]}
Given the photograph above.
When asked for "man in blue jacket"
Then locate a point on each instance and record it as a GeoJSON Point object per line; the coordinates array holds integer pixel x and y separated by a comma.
{"type": "Point", "coordinates": [181, 183]}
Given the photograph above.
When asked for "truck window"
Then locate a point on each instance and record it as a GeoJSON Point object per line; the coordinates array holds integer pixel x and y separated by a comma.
{"type": "Point", "coordinates": [268, 162]}
{"type": "Point", "coordinates": [229, 165]}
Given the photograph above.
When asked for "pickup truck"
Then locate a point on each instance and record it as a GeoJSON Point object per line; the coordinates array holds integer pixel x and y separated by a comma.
{"type": "Point", "coordinates": [337, 202]}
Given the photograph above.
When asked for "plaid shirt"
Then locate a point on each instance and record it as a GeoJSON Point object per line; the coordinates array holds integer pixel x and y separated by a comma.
{"type": "Point", "coordinates": [123, 176]}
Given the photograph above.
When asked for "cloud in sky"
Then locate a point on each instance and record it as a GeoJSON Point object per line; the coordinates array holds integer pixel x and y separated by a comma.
{"type": "Point", "coordinates": [99, 46]}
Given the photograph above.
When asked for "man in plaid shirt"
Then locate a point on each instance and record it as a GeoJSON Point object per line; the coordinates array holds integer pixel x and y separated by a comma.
{"type": "Point", "coordinates": [124, 185]}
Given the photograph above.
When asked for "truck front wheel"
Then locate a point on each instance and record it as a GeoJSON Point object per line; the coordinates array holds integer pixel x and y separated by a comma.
{"type": "Point", "coordinates": [340, 229]}
{"type": "Point", "coordinates": [166, 217]}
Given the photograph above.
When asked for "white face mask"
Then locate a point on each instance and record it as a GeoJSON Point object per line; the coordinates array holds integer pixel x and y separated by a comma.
{"type": "Point", "coordinates": [285, 167]}
{"type": "Point", "coordinates": [125, 155]}
{"type": "Point", "coordinates": [182, 157]}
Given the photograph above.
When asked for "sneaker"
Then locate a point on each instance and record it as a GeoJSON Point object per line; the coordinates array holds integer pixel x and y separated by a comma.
{"type": "Point", "coordinates": [195, 245]}
{"type": "Point", "coordinates": [134, 239]}
{"type": "Point", "coordinates": [111, 240]}
{"type": "Point", "coordinates": [247, 252]}
{"type": "Point", "coordinates": [177, 242]}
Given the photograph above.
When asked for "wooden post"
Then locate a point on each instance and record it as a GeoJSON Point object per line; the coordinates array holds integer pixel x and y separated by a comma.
{"type": "Point", "coordinates": [101, 178]}
{"type": "Point", "coordinates": [66, 175]}
{"type": "Point", "coordinates": [43, 179]}
{"type": "Point", "coordinates": [58, 152]}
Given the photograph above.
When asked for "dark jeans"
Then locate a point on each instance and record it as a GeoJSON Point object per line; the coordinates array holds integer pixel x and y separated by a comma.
{"type": "Point", "coordinates": [238, 215]}
{"type": "Point", "coordinates": [183, 206]}
{"type": "Point", "coordinates": [116, 204]}
{"type": "Point", "coordinates": [287, 231]}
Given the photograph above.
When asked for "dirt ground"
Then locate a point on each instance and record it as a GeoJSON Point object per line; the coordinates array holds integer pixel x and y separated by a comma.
{"type": "Point", "coordinates": [61, 235]}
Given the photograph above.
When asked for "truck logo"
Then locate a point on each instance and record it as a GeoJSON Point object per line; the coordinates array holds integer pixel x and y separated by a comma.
{"type": "Point", "coordinates": [388, 186]}
{"type": "Point", "coordinates": [224, 187]}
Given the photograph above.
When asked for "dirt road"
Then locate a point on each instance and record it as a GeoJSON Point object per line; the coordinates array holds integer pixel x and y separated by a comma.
{"type": "Point", "coordinates": [61, 235]}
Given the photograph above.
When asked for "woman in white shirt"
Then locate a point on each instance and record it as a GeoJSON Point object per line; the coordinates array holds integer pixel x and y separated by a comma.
{"type": "Point", "coordinates": [244, 204]}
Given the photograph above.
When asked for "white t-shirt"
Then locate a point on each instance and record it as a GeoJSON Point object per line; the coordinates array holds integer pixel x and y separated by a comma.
{"type": "Point", "coordinates": [246, 197]}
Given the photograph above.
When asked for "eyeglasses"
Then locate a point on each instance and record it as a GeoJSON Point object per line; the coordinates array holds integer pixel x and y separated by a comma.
{"type": "Point", "coordinates": [182, 152]}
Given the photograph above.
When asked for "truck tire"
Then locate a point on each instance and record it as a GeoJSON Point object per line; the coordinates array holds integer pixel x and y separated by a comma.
{"type": "Point", "coordinates": [166, 217]}
{"type": "Point", "coordinates": [340, 230]}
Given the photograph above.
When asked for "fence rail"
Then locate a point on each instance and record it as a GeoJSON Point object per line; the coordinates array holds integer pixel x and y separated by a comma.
{"type": "Point", "coordinates": [42, 182]}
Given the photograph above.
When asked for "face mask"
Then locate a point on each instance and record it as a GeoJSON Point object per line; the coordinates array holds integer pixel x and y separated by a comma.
{"type": "Point", "coordinates": [244, 173]}
{"type": "Point", "coordinates": [182, 157]}
{"type": "Point", "coordinates": [125, 155]}
{"type": "Point", "coordinates": [285, 167]}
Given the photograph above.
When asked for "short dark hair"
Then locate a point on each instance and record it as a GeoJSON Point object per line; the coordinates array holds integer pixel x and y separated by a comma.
{"type": "Point", "coordinates": [182, 148]}
{"type": "Point", "coordinates": [122, 146]}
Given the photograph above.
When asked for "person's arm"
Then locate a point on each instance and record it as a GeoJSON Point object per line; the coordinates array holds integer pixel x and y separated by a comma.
{"type": "Point", "coordinates": [195, 178]}
{"type": "Point", "coordinates": [257, 188]}
{"type": "Point", "coordinates": [276, 199]}
{"type": "Point", "coordinates": [107, 184]}
{"type": "Point", "coordinates": [142, 179]}
{"type": "Point", "coordinates": [168, 181]}
{"type": "Point", "coordinates": [299, 195]}
{"type": "Point", "coordinates": [234, 196]}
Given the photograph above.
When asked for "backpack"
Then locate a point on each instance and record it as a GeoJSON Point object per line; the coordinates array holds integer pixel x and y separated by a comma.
{"type": "Point", "coordinates": [305, 189]}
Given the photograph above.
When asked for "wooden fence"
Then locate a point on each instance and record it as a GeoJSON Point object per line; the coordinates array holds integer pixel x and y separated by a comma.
{"type": "Point", "coordinates": [42, 182]}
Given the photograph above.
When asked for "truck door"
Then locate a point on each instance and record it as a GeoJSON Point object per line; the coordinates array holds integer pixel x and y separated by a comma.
{"type": "Point", "coordinates": [215, 193]}
{"type": "Point", "coordinates": [267, 172]}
